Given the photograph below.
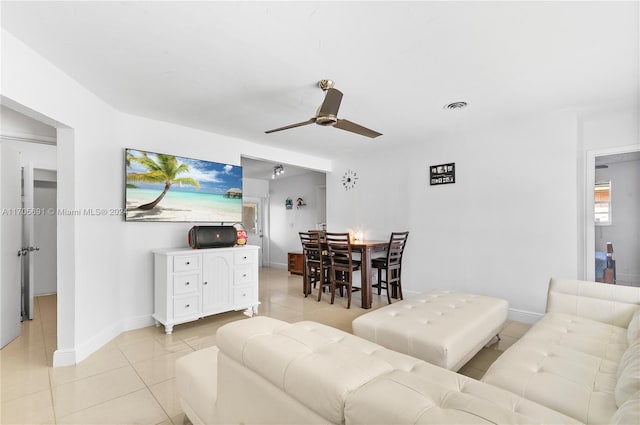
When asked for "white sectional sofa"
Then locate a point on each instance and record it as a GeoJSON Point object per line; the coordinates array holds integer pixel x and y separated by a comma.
{"type": "Point", "coordinates": [583, 357]}
{"type": "Point", "coordinates": [265, 371]}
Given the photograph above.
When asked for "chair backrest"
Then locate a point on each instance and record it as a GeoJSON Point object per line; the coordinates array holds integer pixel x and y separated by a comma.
{"type": "Point", "coordinates": [311, 245]}
{"type": "Point", "coordinates": [339, 251]}
{"type": "Point", "coordinates": [395, 249]}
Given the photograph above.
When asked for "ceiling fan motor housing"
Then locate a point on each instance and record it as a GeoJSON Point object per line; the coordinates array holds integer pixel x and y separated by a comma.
{"type": "Point", "coordinates": [326, 120]}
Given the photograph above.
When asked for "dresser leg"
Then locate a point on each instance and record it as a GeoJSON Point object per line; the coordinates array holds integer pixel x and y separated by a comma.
{"type": "Point", "coordinates": [168, 329]}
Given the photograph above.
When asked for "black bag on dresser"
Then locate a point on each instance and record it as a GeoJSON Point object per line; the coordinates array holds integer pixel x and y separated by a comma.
{"type": "Point", "coordinates": [212, 236]}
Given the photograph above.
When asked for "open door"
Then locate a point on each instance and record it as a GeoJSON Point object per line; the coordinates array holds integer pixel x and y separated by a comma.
{"type": "Point", "coordinates": [10, 244]}
{"type": "Point", "coordinates": [28, 246]}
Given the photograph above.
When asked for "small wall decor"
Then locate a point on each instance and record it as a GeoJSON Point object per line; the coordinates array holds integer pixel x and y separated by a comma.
{"type": "Point", "coordinates": [442, 174]}
{"type": "Point", "coordinates": [349, 179]}
{"type": "Point", "coordinates": [300, 203]}
{"type": "Point", "coordinates": [288, 203]}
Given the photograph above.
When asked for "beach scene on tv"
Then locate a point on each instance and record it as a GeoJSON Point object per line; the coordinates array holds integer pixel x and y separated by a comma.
{"type": "Point", "coordinates": [162, 187]}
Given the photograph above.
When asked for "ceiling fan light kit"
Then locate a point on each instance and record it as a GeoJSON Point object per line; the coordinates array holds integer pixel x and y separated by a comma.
{"type": "Point", "coordinates": [327, 114]}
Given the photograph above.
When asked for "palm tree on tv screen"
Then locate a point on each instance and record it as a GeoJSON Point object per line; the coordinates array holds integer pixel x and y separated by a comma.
{"type": "Point", "coordinates": [165, 170]}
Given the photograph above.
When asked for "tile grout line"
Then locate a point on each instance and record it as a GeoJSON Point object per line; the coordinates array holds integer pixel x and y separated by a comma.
{"type": "Point", "coordinates": [44, 340]}
{"type": "Point", "coordinates": [145, 383]}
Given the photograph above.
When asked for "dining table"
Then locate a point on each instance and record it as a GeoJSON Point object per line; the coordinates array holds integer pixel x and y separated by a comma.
{"type": "Point", "coordinates": [366, 248]}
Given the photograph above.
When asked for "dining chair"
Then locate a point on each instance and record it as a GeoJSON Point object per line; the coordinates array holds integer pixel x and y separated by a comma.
{"type": "Point", "coordinates": [342, 265]}
{"type": "Point", "coordinates": [316, 263]}
{"type": "Point", "coordinates": [391, 264]}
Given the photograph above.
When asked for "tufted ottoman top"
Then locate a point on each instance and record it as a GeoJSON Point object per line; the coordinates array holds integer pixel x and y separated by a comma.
{"type": "Point", "coordinates": [441, 327]}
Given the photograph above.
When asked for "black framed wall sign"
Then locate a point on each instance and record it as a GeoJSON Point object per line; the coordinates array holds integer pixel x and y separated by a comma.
{"type": "Point", "coordinates": [442, 174]}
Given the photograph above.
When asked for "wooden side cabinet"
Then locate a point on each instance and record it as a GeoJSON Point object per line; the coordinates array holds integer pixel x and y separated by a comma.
{"type": "Point", "coordinates": [296, 263]}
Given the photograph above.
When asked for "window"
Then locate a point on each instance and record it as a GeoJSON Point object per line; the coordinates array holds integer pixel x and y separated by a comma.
{"type": "Point", "coordinates": [602, 203]}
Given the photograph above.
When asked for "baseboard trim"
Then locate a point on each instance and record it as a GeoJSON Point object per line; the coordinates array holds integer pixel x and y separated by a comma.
{"type": "Point", "coordinates": [96, 342]}
{"type": "Point", "coordinates": [524, 315]}
{"type": "Point", "coordinates": [64, 357]}
{"type": "Point", "coordinates": [138, 322]}
{"type": "Point", "coordinates": [279, 266]}
{"type": "Point", "coordinates": [71, 356]}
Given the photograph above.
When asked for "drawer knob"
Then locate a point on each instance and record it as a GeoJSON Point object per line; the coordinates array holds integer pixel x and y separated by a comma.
{"type": "Point", "coordinates": [186, 283]}
{"type": "Point", "coordinates": [244, 258]}
{"type": "Point", "coordinates": [187, 263]}
{"type": "Point", "coordinates": [244, 275]}
{"type": "Point", "coordinates": [204, 283]}
{"type": "Point", "coordinates": [187, 306]}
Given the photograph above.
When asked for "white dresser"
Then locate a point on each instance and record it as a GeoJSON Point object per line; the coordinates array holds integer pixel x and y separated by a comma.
{"type": "Point", "coordinates": [194, 283]}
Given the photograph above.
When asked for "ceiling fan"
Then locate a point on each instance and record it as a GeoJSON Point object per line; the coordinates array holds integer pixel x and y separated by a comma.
{"type": "Point", "coordinates": [327, 114]}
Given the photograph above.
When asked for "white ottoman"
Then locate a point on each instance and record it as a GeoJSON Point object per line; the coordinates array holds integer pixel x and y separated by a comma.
{"type": "Point", "coordinates": [441, 327]}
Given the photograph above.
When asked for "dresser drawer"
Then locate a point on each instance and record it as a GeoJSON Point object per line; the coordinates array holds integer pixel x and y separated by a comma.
{"type": "Point", "coordinates": [185, 283]}
{"type": "Point", "coordinates": [245, 295]}
{"type": "Point", "coordinates": [243, 275]}
{"type": "Point", "coordinates": [186, 306]}
{"type": "Point", "coordinates": [184, 263]}
{"type": "Point", "coordinates": [245, 257]}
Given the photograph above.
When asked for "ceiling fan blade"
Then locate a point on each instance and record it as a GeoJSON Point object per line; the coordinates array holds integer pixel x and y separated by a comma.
{"type": "Point", "coordinates": [331, 103]}
{"type": "Point", "coordinates": [300, 124]}
{"type": "Point", "coordinates": [356, 128]}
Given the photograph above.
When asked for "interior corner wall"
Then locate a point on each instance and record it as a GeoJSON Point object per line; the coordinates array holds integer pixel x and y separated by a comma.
{"type": "Point", "coordinates": [284, 224]}
{"type": "Point", "coordinates": [105, 273]}
{"type": "Point", "coordinates": [88, 298]}
{"type": "Point", "coordinates": [503, 229]}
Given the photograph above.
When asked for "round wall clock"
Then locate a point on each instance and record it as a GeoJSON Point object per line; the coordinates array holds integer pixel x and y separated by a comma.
{"type": "Point", "coordinates": [349, 179]}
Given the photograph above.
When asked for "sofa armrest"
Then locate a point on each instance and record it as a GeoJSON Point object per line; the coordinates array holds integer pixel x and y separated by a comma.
{"type": "Point", "coordinates": [606, 303]}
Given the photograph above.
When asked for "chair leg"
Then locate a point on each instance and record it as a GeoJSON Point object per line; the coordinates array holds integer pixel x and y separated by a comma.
{"type": "Point", "coordinates": [379, 281]}
{"type": "Point", "coordinates": [333, 291]}
{"type": "Point", "coordinates": [349, 296]}
{"type": "Point", "coordinates": [321, 289]}
{"type": "Point", "coordinates": [388, 289]}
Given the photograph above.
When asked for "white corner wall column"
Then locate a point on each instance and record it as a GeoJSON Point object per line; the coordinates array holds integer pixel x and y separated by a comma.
{"type": "Point", "coordinates": [66, 246]}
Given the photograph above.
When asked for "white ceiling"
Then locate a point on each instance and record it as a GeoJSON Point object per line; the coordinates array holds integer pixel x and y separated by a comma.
{"type": "Point", "coordinates": [240, 68]}
{"type": "Point", "coordinates": [262, 169]}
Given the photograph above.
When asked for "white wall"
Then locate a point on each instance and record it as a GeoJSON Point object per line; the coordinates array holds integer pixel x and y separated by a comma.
{"type": "Point", "coordinates": [504, 228]}
{"type": "Point", "coordinates": [255, 188]}
{"type": "Point", "coordinates": [285, 224]}
{"type": "Point", "coordinates": [16, 124]}
{"type": "Point", "coordinates": [624, 231]}
{"type": "Point", "coordinates": [104, 264]}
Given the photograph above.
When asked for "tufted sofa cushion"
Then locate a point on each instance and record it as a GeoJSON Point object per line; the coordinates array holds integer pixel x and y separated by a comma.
{"type": "Point", "coordinates": [444, 328]}
{"type": "Point", "coordinates": [428, 394]}
{"type": "Point", "coordinates": [628, 374]}
{"type": "Point", "coordinates": [612, 304]}
{"type": "Point", "coordinates": [349, 380]}
{"type": "Point", "coordinates": [633, 330]}
{"type": "Point", "coordinates": [567, 363]}
{"type": "Point", "coordinates": [315, 364]}
{"type": "Point", "coordinates": [629, 412]}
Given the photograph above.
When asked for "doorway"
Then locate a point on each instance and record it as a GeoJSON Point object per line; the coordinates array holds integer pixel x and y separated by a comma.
{"type": "Point", "coordinates": [35, 144]}
{"type": "Point", "coordinates": [254, 224]}
{"type": "Point", "coordinates": [612, 194]}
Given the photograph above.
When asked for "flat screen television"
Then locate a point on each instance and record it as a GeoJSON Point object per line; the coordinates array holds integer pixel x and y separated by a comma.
{"type": "Point", "coordinates": [161, 187]}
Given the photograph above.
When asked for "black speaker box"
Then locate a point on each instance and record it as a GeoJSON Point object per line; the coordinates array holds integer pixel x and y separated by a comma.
{"type": "Point", "coordinates": [212, 236]}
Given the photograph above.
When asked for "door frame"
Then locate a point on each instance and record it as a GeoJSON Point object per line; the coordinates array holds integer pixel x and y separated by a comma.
{"type": "Point", "coordinates": [262, 226]}
{"type": "Point", "coordinates": [589, 271]}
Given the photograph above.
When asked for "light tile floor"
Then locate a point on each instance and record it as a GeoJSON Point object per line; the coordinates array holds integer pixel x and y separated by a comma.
{"type": "Point", "coordinates": [131, 379]}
